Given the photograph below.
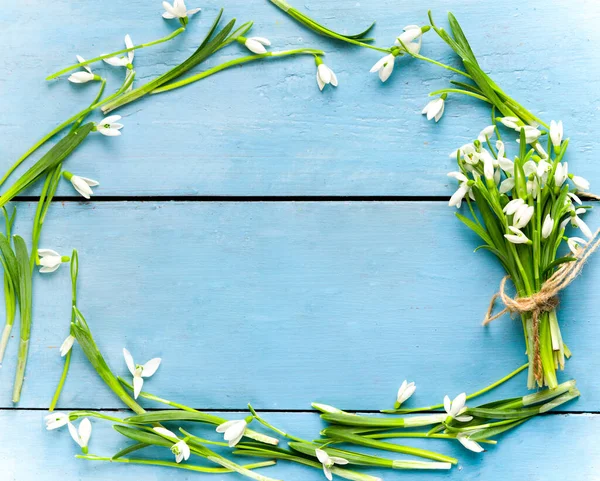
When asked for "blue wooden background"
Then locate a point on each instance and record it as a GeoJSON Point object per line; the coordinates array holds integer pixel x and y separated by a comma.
{"type": "Point", "coordinates": [290, 300]}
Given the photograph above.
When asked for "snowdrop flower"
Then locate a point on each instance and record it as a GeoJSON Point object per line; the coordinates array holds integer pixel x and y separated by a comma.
{"type": "Point", "coordinates": [469, 443]}
{"type": "Point", "coordinates": [384, 67]}
{"type": "Point", "coordinates": [507, 185]}
{"type": "Point", "coordinates": [573, 198]}
{"type": "Point", "coordinates": [517, 236]}
{"type": "Point", "coordinates": [456, 408]}
{"type": "Point", "coordinates": [233, 431]}
{"type": "Point", "coordinates": [180, 449]}
{"type": "Point", "coordinates": [576, 221]}
{"type": "Point", "coordinates": [580, 182]}
{"type": "Point", "coordinates": [510, 122]}
{"type": "Point", "coordinates": [561, 173]}
{"type": "Point", "coordinates": [556, 133]}
{"type": "Point", "coordinates": [522, 216]}
{"type": "Point", "coordinates": [487, 133]}
{"type": "Point", "coordinates": [56, 420]}
{"type": "Point", "coordinates": [109, 126]}
{"type": "Point", "coordinates": [67, 344]}
{"type": "Point", "coordinates": [50, 260]}
{"type": "Point", "coordinates": [83, 185]}
{"type": "Point", "coordinates": [408, 37]}
{"type": "Point", "coordinates": [406, 390]}
{"type": "Point", "coordinates": [542, 170]}
{"type": "Point", "coordinates": [178, 10]}
{"type": "Point", "coordinates": [82, 434]}
{"type": "Point", "coordinates": [85, 75]}
{"type": "Point", "coordinates": [325, 76]}
{"type": "Point", "coordinates": [126, 60]}
{"type": "Point", "coordinates": [328, 462]}
{"type": "Point", "coordinates": [488, 164]}
{"type": "Point", "coordinates": [576, 243]}
{"type": "Point", "coordinates": [139, 372]}
{"type": "Point", "coordinates": [547, 226]}
{"type": "Point", "coordinates": [463, 189]}
{"type": "Point", "coordinates": [255, 44]}
{"type": "Point", "coordinates": [461, 151]}
{"type": "Point", "coordinates": [531, 133]}
{"type": "Point", "coordinates": [434, 109]}
{"type": "Point", "coordinates": [513, 206]}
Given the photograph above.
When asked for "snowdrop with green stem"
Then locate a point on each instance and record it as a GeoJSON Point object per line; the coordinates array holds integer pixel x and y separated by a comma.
{"type": "Point", "coordinates": [83, 185]}
{"type": "Point", "coordinates": [86, 75]}
{"type": "Point", "coordinates": [178, 10]}
{"type": "Point", "coordinates": [81, 435]}
{"type": "Point", "coordinates": [180, 448]}
{"type": "Point", "coordinates": [325, 76]}
{"type": "Point", "coordinates": [329, 462]}
{"type": "Point", "coordinates": [56, 420]}
{"type": "Point", "coordinates": [255, 44]}
{"type": "Point", "coordinates": [233, 431]}
{"type": "Point", "coordinates": [140, 371]}
{"type": "Point", "coordinates": [50, 260]}
{"type": "Point", "coordinates": [406, 390]}
{"type": "Point", "coordinates": [435, 108]}
{"type": "Point", "coordinates": [109, 126]}
{"type": "Point", "coordinates": [127, 59]}
{"type": "Point", "coordinates": [455, 409]}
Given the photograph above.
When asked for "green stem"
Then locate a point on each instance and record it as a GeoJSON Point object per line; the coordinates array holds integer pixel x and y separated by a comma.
{"type": "Point", "coordinates": [460, 91]}
{"type": "Point", "coordinates": [118, 52]}
{"type": "Point", "coordinates": [61, 382]}
{"type": "Point", "coordinates": [233, 63]}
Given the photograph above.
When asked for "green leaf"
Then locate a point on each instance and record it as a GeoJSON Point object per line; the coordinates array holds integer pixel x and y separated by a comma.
{"type": "Point", "coordinates": [142, 437]}
{"type": "Point", "coordinates": [174, 415]}
{"type": "Point", "coordinates": [129, 449]}
{"type": "Point", "coordinates": [460, 37]}
{"type": "Point", "coordinates": [476, 228]}
{"type": "Point", "coordinates": [352, 457]}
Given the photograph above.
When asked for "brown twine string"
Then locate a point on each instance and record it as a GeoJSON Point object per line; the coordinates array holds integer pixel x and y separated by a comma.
{"type": "Point", "coordinates": [545, 300]}
{"type": "Point", "coordinates": [588, 195]}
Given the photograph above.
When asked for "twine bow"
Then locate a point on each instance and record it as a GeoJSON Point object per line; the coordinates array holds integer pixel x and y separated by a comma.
{"type": "Point", "coordinates": [545, 300]}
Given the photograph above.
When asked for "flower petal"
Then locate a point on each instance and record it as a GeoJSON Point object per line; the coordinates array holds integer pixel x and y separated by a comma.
{"type": "Point", "coordinates": [138, 382]}
{"type": "Point", "coordinates": [150, 367]}
{"type": "Point", "coordinates": [129, 361]}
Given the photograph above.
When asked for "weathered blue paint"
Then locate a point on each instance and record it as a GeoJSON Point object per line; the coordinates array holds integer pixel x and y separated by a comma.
{"type": "Point", "coordinates": [266, 129]}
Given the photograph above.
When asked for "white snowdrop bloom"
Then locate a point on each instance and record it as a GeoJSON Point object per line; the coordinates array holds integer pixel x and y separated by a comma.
{"type": "Point", "coordinates": [50, 260]}
{"type": "Point", "coordinates": [406, 390]}
{"type": "Point", "coordinates": [573, 198]}
{"type": "Point", "coordinates": [580, 182]}
{"type": "Point", "coordinates": [513, 206]}
{"type": "Point", "coordinates": [530, 167]}
{"type": "Point", "coordinates": [233, 431]}
{"type": "Point", "coordinates": [178, 10]}
{"type": "Point", "coordinates": [561, 173]}
{"type": "Point", "coordinates": [81, 435]}
{"type": "Point", "coordinates": [486, 133]}
{"type": "Point", "coordinates": [109, 126]}
{"type": "Point", "coordinates": [556, 133]}
{"type": "Point", "coordinates": [533, 187]}
{"type": "Point", "coordinates": [542, 170]}
{"type": "Point", "coordinates": [510, 122]}
{"type": "Point", "coordinates": [456, 408]}
{"type": "Point", "coordinates": [497, 176]}
{"type": "Point", "coordinates": [506, 165]}
{"type": "Point", "coordinates": [578, 222]}
{"type": "Point", "coordinates": [469, 443]}
{"type": "Point", "coordinates": [531, 133]}
{"type": "Point", "coordinates": [180, 449]}
{"type": "Point", "coordinates": [384, 66]}
{"type": "Point", "coordinates": [576, 243]}
{"type": "Point", "coordinates": [460, 151]}
{"type": "Point", "coordinates": [256, 44]}
{"type": "Point", "coordinates": [488, 164]}
{"type": "Point", "coordinates": [507, 185]}
{"type": "Point", "coordinates": [547, 226]}
{"type": "Point", "coordinates": [522, 216]}
{"type": "Point", "coordinates": [84, 76]}
{"type": "Point", "coordinates": [517, 236]}
{"type": "Point", "coordinates": [328, 462]}
{"type": "Point", "coordinates": [67, 344]}
{"type": "Point", "coordinates": [325, 76]}
{"type": "Point", "coordinates": [540, 150]}
{"type": "Point", "coordinates": [434, 109]}
{"type": "Point", "coordinates": [56, 420]}
{"type": "Point", "coordinates": [140, 371]}
{"type": "Point", "coordinates": [83, 185]}
{"type": "Point", "coordinates": [463, 189]}
{"type": "Point", "coordinates": [408, 37]}
{"type": "Point", "coordinates": [125, 60]}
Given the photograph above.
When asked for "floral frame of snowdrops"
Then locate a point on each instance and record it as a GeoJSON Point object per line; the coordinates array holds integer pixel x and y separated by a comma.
{"type": "Point", "coordinates": [520, 209]}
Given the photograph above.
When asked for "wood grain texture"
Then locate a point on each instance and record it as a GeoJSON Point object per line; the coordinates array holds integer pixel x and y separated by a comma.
{"type": "Point", "coordinates": [281, 304]}
{"type": "Point", "coordinates": [543, 449]}
{"type": "Point", "coordinates": [266, 129]}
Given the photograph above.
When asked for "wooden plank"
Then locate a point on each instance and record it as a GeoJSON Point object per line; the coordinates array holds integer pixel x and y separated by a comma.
{"type": "Point", "coordinates": [284, 303]}
{"type": "Point", "coordinates": [525, 453]}
{"type": "Point", "coordinates": [266, 129]}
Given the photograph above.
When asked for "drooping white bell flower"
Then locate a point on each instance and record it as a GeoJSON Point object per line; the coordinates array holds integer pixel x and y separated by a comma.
{"type": "Point", "coordinates": [510, 122]}
{"type": "Point", "coordinates": [507, 185]}
{"type": "Point", "coordinates": [109, 126]}
{"type": "Point", "coordinates": [81, 435]}
{"type": "Point", "coordinates": [561, 173]}
{"type": "Point", "coordinates": [434, 109]}
{"type": "Point", "coordinates": [522, 216]}
{"type": "Point", "coordinates": [513, 206]}
{"type": "Point", "coordinates": [178, 10]}
{"type": "Point", "coordinates": [406, 390]}
{"type": "Point", "coordinates": [83, 185]}
{"type": "Point", "coordinates": [580, 182]}
{"type": "Point", "coordinates": [67, 344]}
{"type": "Point", "coordinates": [469, 443]}
{"type": "Point", "coordinates": [531, 134]}
{"type": "Point", "coordinates": [408, 37]}
{"type": "Point", "coordinates": [547, 226]}
{"type": "Point", "coordinates": [384, 66]}
{"type": "Point", "coordinates": [180, 448]}
{"type": "Point", "coordinates": [325, 76]}
{"type": "Point", "coordinates": [50, 260]}
{"type": "Point", "coordinates": [487, 134]}
{"type": "Point", "coordinates": [255, 44]}
{"type": "Point", "coordinates": [576, 243]}
{"type": "Point", "coordinates": [517, 236]}
{"type": "Point", "coordinates": [488, 164]}
{"type": "Point", "coordinates": [457, 407]}
{"type": "Point", "coordinates": [328, 462]}
{"type": "Point", "coordinates": [576, 221]}
{"type": "Point", "coordinates": [125, 60]}
{"type": "Point", "coordinates": [140, 371]}
{"type": "Point", "coordinates": [83, 76]}
{"type": "Point", "coordinates": [556, 133]}
{"type": "Point", "coordinates": [573, 198]}
{"type": "Point", "coordinates": [56, 420]}
{"type": "Point", "coordinates": [233, 431]}
{"type": "Point", "coordinates": [463, 189]}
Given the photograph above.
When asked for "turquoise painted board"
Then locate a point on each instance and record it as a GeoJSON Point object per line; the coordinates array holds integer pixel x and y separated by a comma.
{"type": "Point", "coordinates": [548, 448]}
{"type": "Point", "coordinates": [266, 129]}
{"type": "Point", "coordinates": [283, 303]}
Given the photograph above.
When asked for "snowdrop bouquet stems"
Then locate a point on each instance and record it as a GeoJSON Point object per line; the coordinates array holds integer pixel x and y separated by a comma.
{"type": "Point", "coordinates": [10, 281]}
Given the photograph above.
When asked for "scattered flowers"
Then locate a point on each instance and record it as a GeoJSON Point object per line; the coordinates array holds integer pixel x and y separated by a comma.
{"type": "Point", "coordinates": [56, 420]}
{"type": "Point", "coordinates": [434, 109]}
{"type": "Point", "coordinates": [328, 462]}
{"type": "Point", "coordinates": [178, 10]}
{"type": "Point", "coordinates": [325, 76]}
{"type": "Point", "coordinates": [83, 185]}
{"type": "Point", "coordinates": [85, 75]}
{"type": "Point", "coordinates": [233, 431]}
{"type": "Point", "coordinates": [180, 449]}
{"type": "Point", "coordinates": [50, 260]}
{"type": "Point", "coordinates": [255, 44]}
{"type": "Point", "coordinates": [126, 60]}
{"type": "Point", "coordinates": [456, 408]}
{"type": "Point", "coordinates": [82, 434]}
{"type": "Point", "coordinates": [469, 443]}
{"type": "Point", "coordinates": [384, 67]}
{"type": "Point", "coordinates": [406, 390]}
{"type": "Point", "coordinates": [67, 345]}
{"type": "Point", "coordinates": [139, 371]}
{"type": "Point", "coordinates": [109, 126]}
